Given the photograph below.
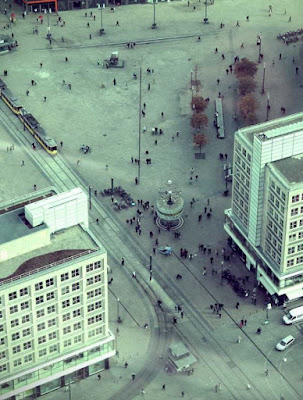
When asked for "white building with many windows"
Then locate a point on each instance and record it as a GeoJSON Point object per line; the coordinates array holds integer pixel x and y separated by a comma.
{"type": "Point", "coordinates": [265, 221]}
{"type": "Point", "coordinates": [53, 296]}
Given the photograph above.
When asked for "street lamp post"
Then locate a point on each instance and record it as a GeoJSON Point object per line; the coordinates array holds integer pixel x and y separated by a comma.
{"type": "Point", "coordinates": [154, 25]}
{"type": "Point", "coordinates": [205, 17]}
{"type": "Point", "coordinates": [90, 197]}
{"type": "Point", "coordinates": [268, 106]}
{"type": "Point", "coordinates": [263, 82]}
{"type": "Point", "coordinates": [260, 46]}
{"type": "Point", "coordinates": [222, 268]}
{"type": "Point", "coordinates": [48, 35]}
{"type": "Point", "coordinates": [140, 125]}
{"type": "Point", "coordinates": [102, 31]}
{"type": "Point", "coordinates": [191, 84]}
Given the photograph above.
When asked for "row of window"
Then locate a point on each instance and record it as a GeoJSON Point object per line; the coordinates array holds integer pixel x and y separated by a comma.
{"type": "Point", "coordinates": [68, 289]}
{"type": "Point", "coordinates": [296, 198]}
{"type": "Point", "coordinates": [244, 151]}
{"type": "Point", "coordinates": [277, 203]}
{"type": "Point", "coordinates": [278, 190]}
{"type": "Point", "coordinates": [292, 250]}
{"type": "Point", "coordinates": [293, 236]}
{"type": "Point", "coordinates": [25, 346]}
{"type": "Point", "coordinates": [291, 262]}
{"type": "Point", "coordinates": [295, 224]}
{"type": "Point", "coordinates": [22, 292]}
{"type": "Point", "coordinates": [273, 253]}
{"type": "Point", "coordinates": [40, 285]}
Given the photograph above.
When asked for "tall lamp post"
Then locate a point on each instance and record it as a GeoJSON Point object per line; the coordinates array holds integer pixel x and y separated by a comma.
{"type": "Point", "coordinates": [205, 17]}
{"type": "Point", "coordinates": [267, 106]}
{"type": "Point", "coordinates": [140, 124]}
{"type": "Point", "coordinates": [263, 81]}
{"type": "Point", "coordinates": [90, 196]}
{"type": "Point", "coordinates": [102, 31]}
{"type": "Point", "coordinates": [154, 25]}
{"type": "Point", "coordinates": [259, 42]}
{"type": "Point", "coordinates": [48, 35]}
{"type": "Point", "coordinates": [118, 311]}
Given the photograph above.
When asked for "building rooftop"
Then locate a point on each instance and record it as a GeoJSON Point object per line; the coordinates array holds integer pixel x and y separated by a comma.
{"type": "Point", "coordinates": [274, 128]}
{"type": "Point", "coordinates": [291, 168]}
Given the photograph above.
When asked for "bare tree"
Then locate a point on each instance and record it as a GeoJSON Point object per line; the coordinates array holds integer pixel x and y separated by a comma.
{"type": "Point", "coordinates": [198, 104]}
{"type": "Point", "coordinates": [245, 68]}
{"type": "Point", "coordinates": [198, 121]}
{"type": "Point", "coordinates": [200, 140]}
{"type": "Point", "coordinates": [248, 106]}
{"type": "Point", "coordinates": [247, 84]}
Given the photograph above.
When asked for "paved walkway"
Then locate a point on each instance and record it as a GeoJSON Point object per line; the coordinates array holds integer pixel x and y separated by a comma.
{"type": "Point", "coordinates": [107, 119]}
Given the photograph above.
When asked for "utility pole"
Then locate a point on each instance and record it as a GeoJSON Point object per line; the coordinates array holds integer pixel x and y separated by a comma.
{"type": "Point", "coordinates": [154, 25]}
{"type": "Point", "coordinates": [102, 31]}
{"type": "Point", "coordinates": [140, 118]}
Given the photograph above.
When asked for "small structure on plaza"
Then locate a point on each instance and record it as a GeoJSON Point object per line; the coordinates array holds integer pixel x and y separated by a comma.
{"type": "Point", "coordinates": [114, 61]}
{"type": "Point", "coordinates": [6, 44]}
{"type": "Point", "coordinates": [180, 358]}
{"type": "Point", "coordinates": [170, 207]}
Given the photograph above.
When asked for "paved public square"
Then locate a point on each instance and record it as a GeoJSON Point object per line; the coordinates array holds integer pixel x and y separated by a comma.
{"type": "Point", "coordinates": [105, 116]}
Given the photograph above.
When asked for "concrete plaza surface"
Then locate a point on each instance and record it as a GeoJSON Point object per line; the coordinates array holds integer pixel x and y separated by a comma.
{"type": "Point", "coordinates": [104, 116]}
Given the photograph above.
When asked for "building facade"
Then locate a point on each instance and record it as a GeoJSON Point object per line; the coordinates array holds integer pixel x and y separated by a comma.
{"type": "Point", "coordinates": [53, 303]}
{"type": "Point", "coordinates": [265, 221]}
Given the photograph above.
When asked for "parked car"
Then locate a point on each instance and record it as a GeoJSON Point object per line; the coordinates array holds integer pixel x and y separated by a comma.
{"type": "Point", "coordinates": [284, 343]}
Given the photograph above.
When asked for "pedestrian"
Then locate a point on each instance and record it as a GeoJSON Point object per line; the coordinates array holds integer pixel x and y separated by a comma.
{"type": "Point", "coordinates": [142, 392]}
{"type": "Point", "coordinates": [90, 35]}
{"type": "Point", "coordinates": [99, 377]}
{"type": "Point", "coordinates": [117, 23]}
{"type": "Point", "coordinates": [35, 187]}
{"type": "Point", "coordinates": [280, 56]}
{"type": "Point", "coordinates": [87, 24]}
{"type": "Point", "coordinates": [41, 65]}
{"type": "Point", "coordinates": [192, 170]}
{"type": "Point", "coordinates": [266, 372]}
{"type": "Point", "coordinates": [182, 314]}
{"type": "Point", "coordinates": [248, 387]}
{"type": "Point", "coordinates": [218, 81]}
{"type": "Point", "coordinates": [297, 70]}
{"type": "Point", "coordinates": [163, 387]}
{"type": "Point", "coordinates": [247, 18]}
{"type": "Point", "coordinates": [70, 86]}
{"type": "Point", "coordinates": [162, 114]}
{"type": "Point", "coordinates": [289, 19]}
{"type": "Point", "coordinates": [182, 394]}
{"type": "Point", "coordinates": [197, 176]}
{"type": "Point", "coordinates": [133, 376]}
{"type": "Point", "coordinates": [22, 163]}
{"type": "Point", "coordinates": [237, 24]}
{"type": "Point", "coordinates": [242, 45]}
{"type": "Point", "coordinates": [44, 98]}
{"type": "Point", "coordinates": [259, 330]}
{"type": "Point", "coordinates": [27, 92]}
{"type": "Point", "coordinates": [125, 364]}
{"type": "Point", "coordinates": [216, 50]}
{"type": "Point", "coordinates": [97, 221]}
{"type": "Point", "coordinates": [200, 218]}
{"type": "Point", "coordinates": [245, 322]}
{"type": "Point", "coordinates": [114, 81]}
{"type": "Point", "coordinates": [61, 144]}
{"type": "Point", "coordinates": [122, 261]}
{"type": "Point", "coordinates": [216, 388]}
{"type": "Point", "coordinates": [223, 57]}
{"type": "Point", "coordinates": [239, 339]}
{"type": "Point", "coordinates": [237, 306]}
{"type": "Point", "coordinates": [78, 162]}
{"type": "Point", "coordinates": [156, 142]}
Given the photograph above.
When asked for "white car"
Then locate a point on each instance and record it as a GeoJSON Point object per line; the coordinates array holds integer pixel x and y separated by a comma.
{"type": "Point", "coordinates": [284, 343]}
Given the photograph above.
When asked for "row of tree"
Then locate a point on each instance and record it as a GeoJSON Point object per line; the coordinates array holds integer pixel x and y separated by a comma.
{"type": "Point", "coordinates": [199, 120]}
{"type": "Point", "coordinates": [245, 72]}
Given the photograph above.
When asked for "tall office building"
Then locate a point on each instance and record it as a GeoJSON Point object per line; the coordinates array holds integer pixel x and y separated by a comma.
{"type": "Point", "coordinates": [265, 222]}
{"type": "Point", "coordinates": [53, 295]}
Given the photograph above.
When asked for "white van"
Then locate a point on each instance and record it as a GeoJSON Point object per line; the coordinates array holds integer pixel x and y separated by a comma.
{"type": "Point", "coordinates": [293, 316]}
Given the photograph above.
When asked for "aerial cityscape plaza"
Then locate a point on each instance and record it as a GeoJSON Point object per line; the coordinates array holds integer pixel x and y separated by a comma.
{"type": "Point", "coordinates": [151, 199]}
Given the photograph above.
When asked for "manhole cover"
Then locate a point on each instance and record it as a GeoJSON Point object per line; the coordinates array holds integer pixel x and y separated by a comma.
{"type": "Point", "coordinates": [200, 156]}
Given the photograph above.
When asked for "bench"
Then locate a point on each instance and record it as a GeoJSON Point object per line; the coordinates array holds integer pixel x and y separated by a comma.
{"type": "Point", "coordinates": [219, 118]}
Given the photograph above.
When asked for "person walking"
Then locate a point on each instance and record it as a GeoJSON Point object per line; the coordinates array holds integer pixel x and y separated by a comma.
{"type": "Point", "coordinates": [97, 221]}
{"type": "Point", "coordinates": [99, 377]}
{"type": "Point", "coordinates": [114, 82]}
{"type": "Point", "coordinates": [237, 306]}
{"type": "Point", "coordinates": [133, 376]}
{"type": "Point", "coordinates": [142, 392]}
{"type": "Point", "coordinates": [163, 387]}
{"type": "Point", "coordinates": [239, 339]}
{"type": "Point", "coordinates": [117, 23]}
{"type": "Point", "coordinates": [182, 394]}
{"type": "Point", "coordinates": [122, 262]}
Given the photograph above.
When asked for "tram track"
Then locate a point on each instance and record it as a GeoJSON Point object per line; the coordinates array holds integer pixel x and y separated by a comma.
{"type": "Point", "coordinates": [116, 237]}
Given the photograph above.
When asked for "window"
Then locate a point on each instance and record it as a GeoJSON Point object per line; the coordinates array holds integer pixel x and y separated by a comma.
{"type": "Point", "coordinates": [66, 317]}
{"type": "Point", "coordinates": [16, 336]}
{"type": "Point", "coordinates": [283, 196]}
{"type": "Point", "coordinates": [244, 152]}
{"type": "Point", "coordinates": [40, 313]}
{"type": "Point", "coordinates": [98, 291]}
{"type": "Point", "coordinates": [17, 362]}
{"type": "Point", "coordinates": [23, 292]}
{"type": "Point", "coordinates": [51, 309]}
{"type": "Point", "coordinates": [12, 296]}
{"type": "Point", "coordinates": [67, 330]}
{"type": "Point", "coordinates": [99, 317]}
{"type": "Point", "coordinates": [75, 286]}
{"type": "Point", "coordinates": [294, 199]}
{"type": "Point", "coordinates": [52, 335]}
{"type": "Point", "coordinates": [42, 339]}
{"type": "Point", "coordinates": [16, 349]}
{"type": "Point", "coordinates": [67, 342]}
{"type": "Point", "coordinates": [300, 235]}
{"type": "Point", "coordinates": [76, 299]}
{"type": "Point", "coordinates": [90, 294]}
{"type": "Point", "coordinates": [90, 320]}
{"type": "Point", "coordinates": [89, 267]}
{"type": "Point", "coordinates": [27, 345]}
{"type": "Point", "coordinates": [51, 322]}
{"type": "Point", "coordinates": [39, 286]}
{"type": "Point", "coordinates": [3, 368]}
{"type": "Point", "coordinates": [65, 303]}
{"type": "Point", "coordinates": [97, 278]}
{"type": "Point", "coordinates": [39, 300]}
{"type": "Point", "coordinates": [65, 290]}
{"type": "Point", "coordinates": [24, 305]}
{"type": "Point", "coordinates": [300, 247]}
{"type": "Point", "coordinates": [42, 352]}
{"type": "Point", "coordinates": [91, 333]}
{"type": "Point", "coordinates": [291, 250]}
{"type": "Point", "coordinates": [78, 339]}
{"type": "Point", "coordinates": [2, 341]}
{"type": "Point", "coordinates": [75, 272]}
{"type": "Point", "coordinates": [293, 225]}
{"type": "Point", "coordinates": [49, 282]}
{"type": "Point", "coordinates": [291, 238]}
{"type": "Point", "coordinates": [278, 190]}
{"type": "Point", "coordinates": [90, 307]}
{"type": "Point", "coordinates": [13, 309]}
{"type": "Point", "coordinates": [41, 326]}
{"type": "Point", "coordinates": [249, 157]}
{"type": "Point", "coordinates": [77, 326]}
{"type": "Point", "coordinates": [301, 222]}
{"type": "Point", "coordinates": [25, 319]}
{"type": "Point", "coordinates": [97, 264]}
{"type": "Point", "coordinates": [28, 358]}
{"type": "Point", "coordinates": [26, 332]}
{"type": "Point", "coordinates": [14, 323]}
{"type": "Point", "coordinates": [76, 313]}
{"type": "Point", "coordinates": [299, 260]}
{"type": "Point", "coordinates": [53, 348]}
{"type": "Point", "coordinates": [50, 296]}
{"type": "Point", "coordinates": [89, 281]}
{"type": "Point", "coordinates": [98, 304]}
{"type": "Point", "coordinates": [2, 355]}
{"type": "Point", "coordinates": [64, 277]}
